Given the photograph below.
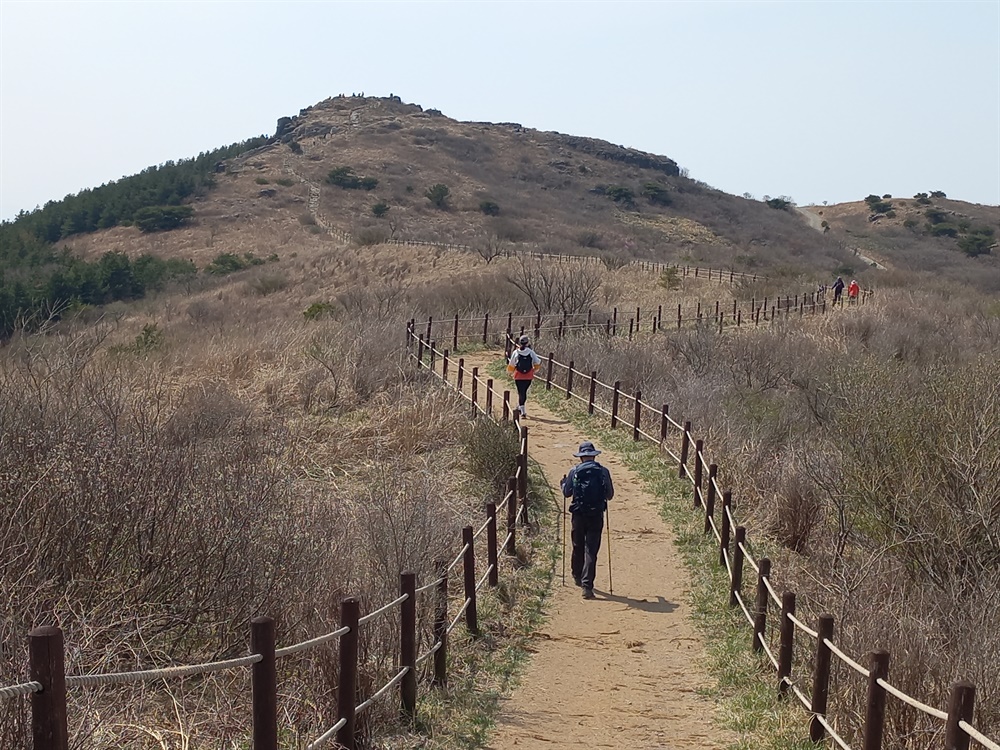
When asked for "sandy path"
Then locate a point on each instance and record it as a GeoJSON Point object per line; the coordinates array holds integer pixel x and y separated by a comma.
{"type": "Point", "coordinates": [620, 671]}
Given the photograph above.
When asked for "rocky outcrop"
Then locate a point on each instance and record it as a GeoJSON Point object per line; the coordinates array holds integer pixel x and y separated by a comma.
{"type": "Point", "coordinates": [610, 152]}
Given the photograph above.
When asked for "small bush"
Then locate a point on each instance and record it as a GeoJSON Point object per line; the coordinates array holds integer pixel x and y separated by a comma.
{"type": "Point", "coordinates": [910, 223]}
{"type": "Point", "coordinates": [590, 239]}
{"type": "Point", "coordinates": [226, 263]}
{"type": "Point", "coordinates": [656, 194]}
{"type": "Point", "coordinates": [266, 284]}
{"type": "Point", "coordinates": [438, 195]}
{"type": "Point", "coordinates": [936, 215]}
{"type": "Point", "coordinates": [890, 214]}
{"type": "Point", "coordinates": [262, 181]}
{"type": "Point", "coordinates": [370, 236]}
{"type": "Point", "coordinates": [285, 182]}
{"type": "Point", "coordinates": [621, 195]}
{"type": "Point", "coordinates": [975, 244]}
{"type": "Point", "coordinates": [295, 147]}
{"type": "Point", "coordinates": [492, 451]}
{"type": "Point", "coordinates": [886, 196]}
{"type": "Point", "coordinates": [779, 204]}
{"type": "Point", "coordinates": [943, 229]}
{"type": "Point", "coordinates": [670, 279]}
{"type": "Point", "coordinates": [380, 209]}
{"type": "Point", "coordinates": [880, 207]}
{"type": "Point", "coordinates": [161, 218]}
{"type": "Point", "coordinates": [489, 208]}
{"type": "Point", "coordinates": [307, 220]}
{"type": "Point", "coordinates": [149, 340]}
{"type": "Point", "coordinates": [938, 194]}
{"type": "Point", "coordinates": [317, 310]}
{"type": "Point", "coordinates": [344, 177]}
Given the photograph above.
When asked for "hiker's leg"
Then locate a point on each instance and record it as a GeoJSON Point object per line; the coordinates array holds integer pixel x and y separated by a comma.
{"type": "Point", "coordinates": [522, 391]}
{"type": "Point", "coordinates": [592, 544]}
{"type": "Point", "coordinates": [579, 538]}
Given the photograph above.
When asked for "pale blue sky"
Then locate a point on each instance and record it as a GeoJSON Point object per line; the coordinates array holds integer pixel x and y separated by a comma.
{"type": "Point", "coordinates": [815, 100]}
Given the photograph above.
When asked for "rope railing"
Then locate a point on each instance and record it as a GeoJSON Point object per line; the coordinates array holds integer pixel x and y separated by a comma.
{"type": "Point", "coordinates": [978, 736]}
{"type": "Point", "coordinates": [802, 626]}
{"type": "Point", "coordinates": [767, 650]}
{"type": "Point", "coordinates": [429, 653]}
{"type": "Point", "coordinates": [743, 606]}
{"type": "Point", "coordinates": [382, 690]}
{"type": "Point", "coordinates": [912, 702]}
{"type": "Point", "coordinates": [458, 559]}
{"type": "Point", "coordinates": [383, 609]}
{"type": "Point", "coordinates": [429, 586]}
{"type": "Point", "coordinates": [145, 675]}
{"type": "Point", "coordinates": [486, 575]}
{"type": "Point", "coordinates": [846, 659]}
{"type": "Point", "coordinates": [770, 590]}
{"type": "Point", "coordinates": [841, 742]}
{"type": "Point", "coordinates": [16, 691]}
{"type": "Point", "coordinates": [803, 699]}
{"type": "Point", "coordinates": [482, 528]}
{"type": "Point", "coordinates": [458, 616]}
{"type": "Point", "coordinates": [328, 735]}
{"type": "Point", "coordinates": [311, 643]}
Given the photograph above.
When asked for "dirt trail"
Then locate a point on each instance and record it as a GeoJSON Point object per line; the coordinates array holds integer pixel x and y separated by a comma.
{"type": "Point", "coordinates": [621, 671]}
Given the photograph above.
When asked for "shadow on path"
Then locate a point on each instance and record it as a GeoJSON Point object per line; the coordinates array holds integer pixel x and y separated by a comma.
{"type": "Point", "coordinates": [660, 605]}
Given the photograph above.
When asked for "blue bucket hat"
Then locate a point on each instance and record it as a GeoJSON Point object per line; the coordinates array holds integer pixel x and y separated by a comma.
{"type": "Point", "coordinates": [587, 449]}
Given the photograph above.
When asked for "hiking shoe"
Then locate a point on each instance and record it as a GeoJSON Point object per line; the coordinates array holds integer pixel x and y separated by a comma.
{"type": "Point", "coordinates": [577, 582]}
{"type": "Point", "coordinates": [588, 594]}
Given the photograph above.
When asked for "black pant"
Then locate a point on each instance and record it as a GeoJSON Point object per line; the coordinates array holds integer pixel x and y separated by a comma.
{"type": "Point", "coordinates": [522, 391]}
{"type": "Point", "coordinates": [587, 530]}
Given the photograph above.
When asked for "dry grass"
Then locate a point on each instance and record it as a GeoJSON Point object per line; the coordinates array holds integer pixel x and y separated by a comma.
{"type": "Point", "coordinates": [864, 456]}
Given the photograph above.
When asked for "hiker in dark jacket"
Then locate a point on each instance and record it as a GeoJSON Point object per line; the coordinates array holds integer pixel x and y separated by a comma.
{"type": "Point", "coordinates": [589, 484]}
{"type": "Point", "coordinates": [838, 289]}
{"type": "Point", "coordinates": [522, 366]}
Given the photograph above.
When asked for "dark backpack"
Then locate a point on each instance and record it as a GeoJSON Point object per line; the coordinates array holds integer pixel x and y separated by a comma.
{"type": "Point", "coordinates": [524, 363]}
{"type": "Point", "coordinates": [588, 489]}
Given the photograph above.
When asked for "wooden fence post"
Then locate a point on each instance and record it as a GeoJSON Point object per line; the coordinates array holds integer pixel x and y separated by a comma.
{"type": "Point", "coordinates": [548, 373]}
{"type": "Point", "coordinates": [420, 351]}
{"type": "Point", "coordinates": [736, 583]}
{"type": "Point", "coordinates": [489, 397]}
{"type": "Point", "coordinates": [469, 579]}
{"type": "Point", "coordinates": [699, 447]}
{"type": "Point", "coordinates": [454, 335]}
{"type": "Point", "coordinates": [441, 628]}
{"type": "Point", "coordinates": [48, 706]}
{"type": "Point", "coordinates": [631, 324]}
{"type": "Point", "coordinates": [433, 350]}
{"type": "Point", "coordinates": [960, 708]}
{"type": "Point", "coordinates": [685, 447]}
{"type": "Point", "coordinates": [760, 610]}
{"type": "Point", "coordinates": [430, 320]}
{"type": "Point", "coordinates": [713, 472]}
{"type": "Point", "coordinates": [875, 705]}
{"type": "Point", "coordinates": [475, 390]}
{"type": "Point", "coordinates": [408, 642]}
{"type": "Point", "coordinates": [347, 687]}
{"type": "Point", "coordinates": [510, 548]}
{"type": "Point", "coordinates": [614, 322]}
{"type": "Point", "coordinates": [593, 392]}
{"type": "Point", "coordinates": [569, 380]}
{"type": "Point", "coordinates": [664, 421]}
{"type": "Point", "coordinates": [486, 327]}
{"type": "Point", "coordinates": [506, 406]}
{"type": "Point", "coordinates": [264, 685]}
{"type": "Point", "coordinates": [821, 677]}
{"type": "Point", "coordinates": [491, 545]}
{"type": "Point", "coordinates": [786, 641]}
{"type": "Point", "coordinates": [637, 416]}
{"type": "Point", "coordinates": [444, 365]}
{"type": "Point", "coordinates": [679, 316]}
{"type": "Point", "coordinates": [614, 403]}
{"type": "Point", "coordinates": [461, 372]}
{"type": "Point", "coordinates": [727, 502]}
{"type": "Point", "coordinates": [523, 483]}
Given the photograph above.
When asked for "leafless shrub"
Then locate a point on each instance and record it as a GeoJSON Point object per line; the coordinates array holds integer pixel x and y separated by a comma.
{"type": "Point", "coordinates": [490, 246]}
{"type": "Point", "coordinates": [566, 288]}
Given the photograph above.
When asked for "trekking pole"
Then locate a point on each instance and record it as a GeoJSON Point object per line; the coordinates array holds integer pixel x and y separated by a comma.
{"type": "Point", "coordinates": [564, 540]}
{"type": "Point", "coordinates": [611, 585]}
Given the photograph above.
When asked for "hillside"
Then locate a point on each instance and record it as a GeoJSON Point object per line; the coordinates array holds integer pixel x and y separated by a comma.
{"type": "Point", "coordinates": [922, 239]}
{"type": "Point", "coordinates": [506, 183]}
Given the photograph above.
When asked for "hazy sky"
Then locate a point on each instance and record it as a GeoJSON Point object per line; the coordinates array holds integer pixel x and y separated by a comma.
{"type": "Point", "coordinates": [814, 100]}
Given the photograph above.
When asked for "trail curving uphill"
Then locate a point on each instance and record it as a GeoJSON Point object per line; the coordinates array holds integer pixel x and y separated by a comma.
{"type": "Point", "coordinates": [816, 223]}
{"type": "Point", "coordinates": [624, 670]}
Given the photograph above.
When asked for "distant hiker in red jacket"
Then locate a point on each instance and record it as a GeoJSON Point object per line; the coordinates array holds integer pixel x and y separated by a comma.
{"type": "Point", "coordinates": [522, 365]}
{"type": "Point", "coordinates": [853, 290]}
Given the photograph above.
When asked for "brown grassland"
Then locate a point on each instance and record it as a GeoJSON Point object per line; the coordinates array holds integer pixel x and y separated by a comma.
{"type": "Point", "coordinates": [171, 467]}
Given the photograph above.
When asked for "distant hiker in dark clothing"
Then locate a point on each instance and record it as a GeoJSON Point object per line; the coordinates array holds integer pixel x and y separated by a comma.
{"type": "Point", "coordinates": [522, 365]}
{"type": "Point", "coordinates": [838, 289]}
{"type": "Point", "coordinates": [589, 484]}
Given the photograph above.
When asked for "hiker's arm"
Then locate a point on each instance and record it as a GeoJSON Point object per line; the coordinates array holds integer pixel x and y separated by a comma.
{"type": "Point", "coordinates": [510, 362]}
{"type": "Point", "coordinates": [567, 484]}
{"type": "Point", "coordinates": [609, 487]}
{"type": "Point", "coordinates": [536, 361]}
